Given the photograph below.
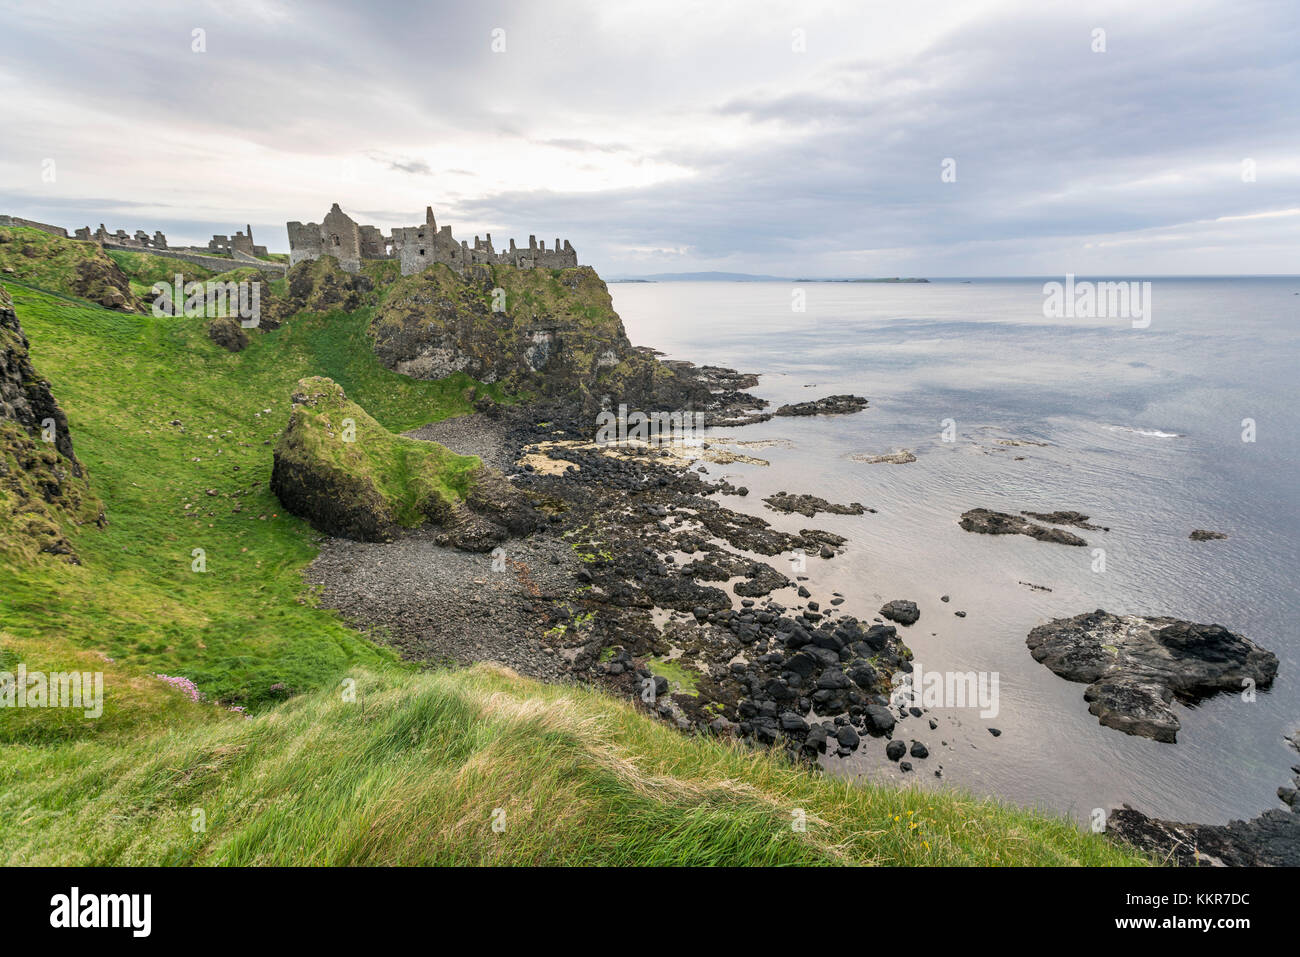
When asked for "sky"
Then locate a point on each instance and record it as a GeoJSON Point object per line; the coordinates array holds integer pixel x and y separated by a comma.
{"type": "Point", "coordinates": [809, 139]}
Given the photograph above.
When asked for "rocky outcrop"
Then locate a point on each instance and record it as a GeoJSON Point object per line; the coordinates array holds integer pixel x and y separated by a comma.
{"type": "Point", "coordinates": [1270, 840]}
{"type": "Point", "coordinates": [1204, 535]}
{"type": "Point", "coordinates": [228, 334]}
{"type": "Point", "coordinates": [42, 484]}
{"type": "Point", "coordinates": [901, 457]}
{"type": "Point", "coordinates": [830, 405]}
{"type": "Point", "coordinates": [810, 505]}
{"type": "Point", "coordinates": [549, 333]}
{"type": "Point", "coordinates": [988, 522]}
{"type": "Point", "coordinates": [321, 286]}
{"type": "Point", "coordinates": [101, 281]}
{"type": "Point", "coordinates": [1135, 666]}
{"type": "Point", "coordinates": [902, 611]}
{"type": "Point", "coordinates": [66, 267]}
{"type": "Point", "coordinates": [1077, 519]}
{"type": "Point", "coordinates": [348, 476]}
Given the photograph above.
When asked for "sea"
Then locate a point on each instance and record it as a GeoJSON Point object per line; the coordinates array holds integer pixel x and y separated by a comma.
{"type": "Point", "coordinates": [1183, 418]}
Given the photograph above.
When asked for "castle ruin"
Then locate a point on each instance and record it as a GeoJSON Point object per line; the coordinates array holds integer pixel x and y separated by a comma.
{"type": "Point", "coordinates": [416, 247]}
{"type": "Point", "coordinates": [241, 242]}
{"type": "Point", "coordinates": [120, 240]}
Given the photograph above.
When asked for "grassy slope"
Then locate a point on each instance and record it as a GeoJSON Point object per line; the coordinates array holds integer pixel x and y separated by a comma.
{"type": "Point", "coordinates": [412, 770]}
{"type": "Point", "coordinates": [239, 630]}
{"type": "Point", "coordinates": [416, 481]}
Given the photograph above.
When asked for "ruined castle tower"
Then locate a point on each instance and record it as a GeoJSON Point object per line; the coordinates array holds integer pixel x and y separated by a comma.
{"type": "Point", "coordinates": [416, 247]}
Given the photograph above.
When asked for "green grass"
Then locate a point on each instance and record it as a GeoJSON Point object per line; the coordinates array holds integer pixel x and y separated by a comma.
{"type": "Point", "coordinates": [416, 769]}
{"type": "Point", "coordinates": [680, 678]}
{"type": "Point", "coordinates": [53, 261]}
{"type": "Point", "coordinates": [409, 772]}
{"type": "Point", "coordinates": [413, 481]}
{"type": "Point", "coordinates": [242, 630]}
{"type": "Point", "coordinates": [145, 269]}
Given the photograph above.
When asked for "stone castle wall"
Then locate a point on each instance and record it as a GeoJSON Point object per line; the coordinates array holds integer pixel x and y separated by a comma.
{"type": "Point", "coordinates": [415, 247]}
{"type": "Point", "coordinates": [32, 224]}
{"type": "Point", "coordinates": [218, 264]}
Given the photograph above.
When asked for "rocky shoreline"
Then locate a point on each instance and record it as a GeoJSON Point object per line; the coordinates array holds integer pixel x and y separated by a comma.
{"type": "Point", "coordinates": [1271, 839]}
{"type": "Point", "coordinates": [637, 579]}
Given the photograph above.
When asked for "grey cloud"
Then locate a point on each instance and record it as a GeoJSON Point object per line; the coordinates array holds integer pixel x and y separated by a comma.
{"type": "Point", "coordinates": [1053, 142]}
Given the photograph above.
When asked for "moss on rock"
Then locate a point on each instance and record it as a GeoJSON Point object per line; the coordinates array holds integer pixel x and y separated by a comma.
{"type": "Point", "coordinates": [42, 485]}
{"type": "Point", "coordinates": [347, 475]}
{"type": "Point", "coordinates": [550, 332]}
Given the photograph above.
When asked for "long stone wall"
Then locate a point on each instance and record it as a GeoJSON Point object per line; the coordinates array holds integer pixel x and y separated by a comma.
{"type": "Point", "coordinates": [215, 263]}
{"type": "Point", "coordinates": [32, 224]}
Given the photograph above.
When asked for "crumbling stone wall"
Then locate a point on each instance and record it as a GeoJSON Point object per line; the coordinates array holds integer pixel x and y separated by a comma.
{"type": "Point", "coordinates": [416, 247]}
{"type": "Point", "coordinates": [120, 240]}
{"type": "Point", "coordinates": [32, 224]}
{"type": "Point", "coordinates": [241, 242]}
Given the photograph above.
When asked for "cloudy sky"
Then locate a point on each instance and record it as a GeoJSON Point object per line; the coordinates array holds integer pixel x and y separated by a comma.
{"type": "Point", "coordinates": [799, 139]}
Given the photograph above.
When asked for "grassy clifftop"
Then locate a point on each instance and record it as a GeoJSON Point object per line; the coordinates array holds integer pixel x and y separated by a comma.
{"type": "Point", "coordinates": [395, 769]}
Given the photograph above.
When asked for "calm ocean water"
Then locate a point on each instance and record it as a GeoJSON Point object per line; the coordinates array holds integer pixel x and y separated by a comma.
{"type": "Point", "coordinates": [1142, 431]}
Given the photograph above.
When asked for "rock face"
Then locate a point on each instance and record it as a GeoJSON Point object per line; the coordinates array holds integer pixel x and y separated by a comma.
{"type": "Point", "coordinates": [228, 334]}
{"type": "Point", "coordinates": [322, 285]}
{"type": "Point", "coordinates": [348, 476]}
{"type": "Point", "coordinates": [831, 405]}
{"type": "Point", "coordinates": [550, 332]}
{"type": "Point", "coordinates": [44, 484]}
{"type": "Point", "coordinates": [1135, 666]}
{"type": "Point", "coordinates": [987, 522]}
{"type": "Point", "coordinates": [102, 282]}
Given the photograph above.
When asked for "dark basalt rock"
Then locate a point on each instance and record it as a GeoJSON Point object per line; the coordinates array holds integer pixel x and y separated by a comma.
{"type": "Point", "coordinates": [1077, 519]}
{"type": "Point", "coordinates": [1270, 840]}
{"type": "Point", "coordinates": [830, 405]}
{"type": "Point", "coordinates": [988, 522]}
{"type": "Point", "coordinates": [1205, 535]}
{"type": "Point", "coordinates": [810, 505]}
{"type": "Point", "coordinates": [1135, 666]}
{"type": "Point", "coordinates": [902, 611]}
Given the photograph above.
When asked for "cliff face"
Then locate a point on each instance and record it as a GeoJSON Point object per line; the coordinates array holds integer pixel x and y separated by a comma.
{"type": "Point", "coordinates": [545, 332]}
{"type": "Point", "coordinates": [42, 485]}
